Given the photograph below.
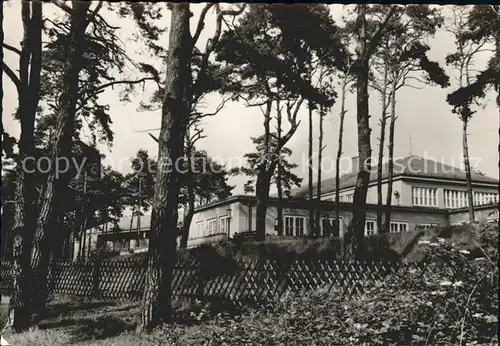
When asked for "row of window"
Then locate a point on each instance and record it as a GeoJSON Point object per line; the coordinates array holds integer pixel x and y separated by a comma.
{"type": "Point", "coordinates": [427, 197]}
{"type": "Point", "coordinates": [126, 244]}
{"type": "Point", "coordinates": [212, 227]}
{"type": "Point", "coordinates": [459, 199]}
{"type": "Point", "coordinates": [395, 226]}
{"type": "Point", "coordinates": [347, 198]}
{"type": "Point", "coordinates": [485, 198]}
{"type": "Point", "coordinates": [295, 225]}
{"type": "Point", "coordinates": [455, 199]}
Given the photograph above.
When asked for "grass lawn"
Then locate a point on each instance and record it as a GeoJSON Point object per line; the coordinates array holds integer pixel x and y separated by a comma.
{"type": "Point", "coordinates": [85, 323]}
{"type": "Point", "coordinates": [98, 323]}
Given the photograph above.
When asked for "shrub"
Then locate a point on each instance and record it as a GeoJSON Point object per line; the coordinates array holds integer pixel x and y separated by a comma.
{"type": "Point", "coordinates": [451, 299]}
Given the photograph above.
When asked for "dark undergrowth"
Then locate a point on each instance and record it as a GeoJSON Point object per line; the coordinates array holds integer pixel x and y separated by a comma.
{"type": "Point", "coordinates": [453, 302]}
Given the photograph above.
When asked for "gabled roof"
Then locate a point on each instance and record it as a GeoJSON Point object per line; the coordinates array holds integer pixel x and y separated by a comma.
{"type": "Point", "coordinates": [410, 166]}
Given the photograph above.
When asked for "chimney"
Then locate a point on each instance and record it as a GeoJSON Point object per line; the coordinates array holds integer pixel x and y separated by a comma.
{"type": "Point", "coordinates": [355, 164]}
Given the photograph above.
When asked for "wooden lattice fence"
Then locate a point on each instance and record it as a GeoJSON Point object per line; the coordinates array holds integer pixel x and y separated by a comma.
{"type": "Point", "coordinates": [235, 280]}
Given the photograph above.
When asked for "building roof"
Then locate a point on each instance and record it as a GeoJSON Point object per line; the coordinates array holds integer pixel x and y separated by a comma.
{"type": "Point", "coordinates": [410, 166]}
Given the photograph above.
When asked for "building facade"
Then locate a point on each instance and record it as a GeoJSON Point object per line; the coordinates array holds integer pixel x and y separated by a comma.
{"type": "Point", "coordinates": [417, 182]}
{"type": "Point", "coordinates": [425, 194]}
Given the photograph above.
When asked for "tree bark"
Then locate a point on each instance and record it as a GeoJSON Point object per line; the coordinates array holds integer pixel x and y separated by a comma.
{"type": "Point", "coordinates": [383, 123]}
{"type": "Point", "coordinates": [364, 146]}
{"type": "Point", "coordinates": [497, 87]}
{"type": "Point", "coordinates": [61, 149]}
{"type": "Point", "coordinates": [390, 168]}
{"type": "Point", "coordinates": [262, 195]}
{"type": "Point", "coordinates": [191, 199]}
{"type": "Point", "coordinates": [339, 154]}
{"type": "Point", "coordinates": [320, 159]}
{"type": "Point", "coordinates": [364, 51]}
{"type": "Point", "coordinates": [468, 177]}
{"type": "Point", "coordinates": [280, 173]}
{"type": "Point", "coordinates": [134, 207]}
{"type": "Point", "coordinates": [19, 315]}
{"type": "Point", "coordinates": [156, 301]}
{"type": "Point", "coordinates": [310, 171]}
{"type": "Point", "coordinates": [263, 181]}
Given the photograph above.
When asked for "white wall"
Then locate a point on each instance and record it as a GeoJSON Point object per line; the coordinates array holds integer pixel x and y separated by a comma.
{"type": "Point", "coordinates": [371, 196]}
{"type": "Point", "coordinates": [215, 213]}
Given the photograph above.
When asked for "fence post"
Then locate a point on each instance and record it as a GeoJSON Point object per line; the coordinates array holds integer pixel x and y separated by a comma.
{"type": "Point", "coordinates": [201, 280]}
{"type": "Point", "coordinates": [96, 278]}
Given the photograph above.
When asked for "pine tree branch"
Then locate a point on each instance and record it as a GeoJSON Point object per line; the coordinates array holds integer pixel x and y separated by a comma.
{"type": "Point", "coordinates": [12, 49]}
{"type": "Point", "coordinates": [196, 137]}
{"type": "Point", "coordinates": [195, 117]}
{"type": "Point", "coordinates": [292, 119]}
{"type": "Point", "coordinates": [102, 87]}
{"type": "Point", "coordinates": [107, 85]}
{"type": "Point", "coordinates": [63, 6]}
{"type": "Point", "coordinates": [211, 42]}
{"type": "Point", "coordinates": [380, 30]}
{"type": "Point", "coordinates": [201, 23]}
{"type": "Point", "coordinates": [12, 76]}
{"type": "Point", "coordinates": [94, 13]}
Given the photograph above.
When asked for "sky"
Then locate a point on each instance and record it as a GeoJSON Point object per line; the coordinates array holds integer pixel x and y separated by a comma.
{"type": "Point", "coordinates": [425, 124]}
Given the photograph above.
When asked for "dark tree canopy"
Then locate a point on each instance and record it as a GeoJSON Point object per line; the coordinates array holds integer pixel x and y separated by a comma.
{"type": "Point", "coordinates": [289, 180]}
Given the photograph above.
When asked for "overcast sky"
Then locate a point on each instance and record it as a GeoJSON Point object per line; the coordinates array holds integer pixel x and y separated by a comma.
{"type": "Point", "coordinates": [422, 113]}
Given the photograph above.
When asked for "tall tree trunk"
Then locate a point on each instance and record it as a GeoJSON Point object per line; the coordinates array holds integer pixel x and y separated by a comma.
{"type": "Point", "coordinates": [188, 218]}
{"type": "Point", "coordinates": [339, 153]}
{"type": "Point", "coordinates": [263, 181]}
{"type": "Point", "coordinates": [134, 207]}
{"type": "Point", "coordinates": [383, 123]}
{"type": "Point", "coordinates": [320, 159]}
{"type": "Point", "coordinates": [364, 51]}
{"type": "Point", "coordinates": [497, 87]}
{"type": "Point", "coordinates": [25, 194]}
{"type": "Point", "coordinates": [156, 301]}
{"type": "Point", "coordinates": [364, 146]}
{"type": "Point", "coordinates": [310, 171]}
{"type": "Point", "coordinates": [468, 177]}
{"type": "Point", "coordinates": [61, 148]}
{"type": "Point", "coordinates": [262, 195]}
{"type": "Point", "coordinates": [390, 168]}
{"type": "Point", "coordinates": [279, 180]}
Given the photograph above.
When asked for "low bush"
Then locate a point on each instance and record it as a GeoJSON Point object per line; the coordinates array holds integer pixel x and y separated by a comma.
{"type": "Point", "coordinates": [452, 301]}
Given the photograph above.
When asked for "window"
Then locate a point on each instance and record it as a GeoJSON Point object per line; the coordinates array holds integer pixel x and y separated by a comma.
{"type": "Point", "coordinates": [142, 243]}
{"type": "Point", "coordinates": [455, 199]}
{"type": "Point", "coordinates": [427, 225]}
{"type": "Point", "coordinates": [397, 227]}
{"type": "Point", "coordinates": [224, 224]}
{"type": "Point", "coordinates": [126, 244]}
{"type": "Point", "coordinates": [369, 227]}
{"type": "Point", "coordinates": [485, 198]}
{"type": "Point", "coordinates": [212, 226]}
{"type": "Point", "coordinates": [328, 227]}
{"type": "Point", "coordinates": [201, 229]}
{"type": "Point", "coordinates": [347, 198]}
{"type": "Point", "coordinates": [294, 225]}
{"type": "Point", "coordinates": [426, 197]}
